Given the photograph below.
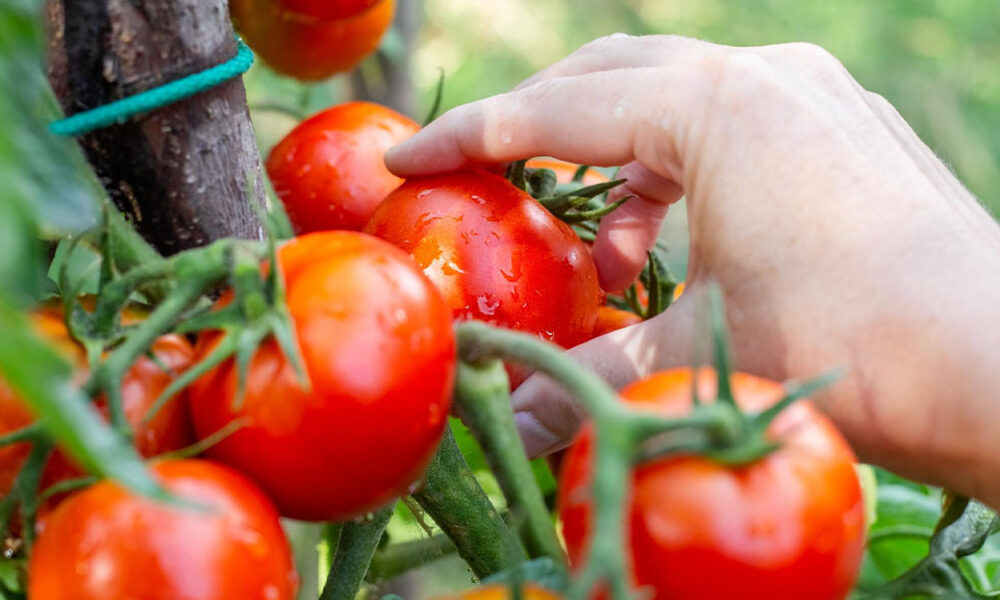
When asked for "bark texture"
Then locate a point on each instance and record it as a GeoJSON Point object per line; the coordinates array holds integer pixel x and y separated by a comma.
{"type": "Point", "coordinates": [184, 174]}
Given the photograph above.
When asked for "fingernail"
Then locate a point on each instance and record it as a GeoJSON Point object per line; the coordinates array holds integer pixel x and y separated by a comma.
{"type": "Point", "coordinates": [537, 439]}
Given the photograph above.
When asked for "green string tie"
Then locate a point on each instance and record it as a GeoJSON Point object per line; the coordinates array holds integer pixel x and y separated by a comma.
{"type": "Point", "coordinates": [120, 110]}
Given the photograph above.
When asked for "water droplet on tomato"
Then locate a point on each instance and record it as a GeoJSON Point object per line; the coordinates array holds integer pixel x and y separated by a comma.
{"type": "Point", "coordinates": [487, 304]}
{"type": "Point", "coordinates": [271, 592]}
{"type": "Point", "coordinates": [478, 199]}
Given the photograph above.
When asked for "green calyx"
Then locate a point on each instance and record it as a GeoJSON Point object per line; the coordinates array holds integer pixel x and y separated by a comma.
{"type": "Point", "coordinates": [572, 203]}
{"type": "Point", "coordinates": [725, 433]}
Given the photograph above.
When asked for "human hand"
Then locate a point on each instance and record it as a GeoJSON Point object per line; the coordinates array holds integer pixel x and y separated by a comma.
{"type": "Point", "coordinates": [837, 236]}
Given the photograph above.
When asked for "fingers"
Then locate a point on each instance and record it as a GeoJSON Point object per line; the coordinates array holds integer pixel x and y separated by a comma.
{"type": "Point", "coordinates": [621, 51]}
{"type": "Point", "coordinates": [548, 418]}
{"type": "Point", "coordinates": [598, 119]}
{"type": "Point", "coordinates": [630, 231]}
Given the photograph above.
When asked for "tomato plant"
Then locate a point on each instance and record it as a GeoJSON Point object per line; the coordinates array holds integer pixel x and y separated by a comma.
{"type": "Point", "coordinates": [305, 49]}
{"type": "Point", "coordinates": [326, 10]}
{"type": "Point", "coordinates": [329, 170]}
{"type": "Point", "coordinates": [495, 253]}
{"type": "Point", "coordinates": [110, 544]}
{"type": "Point", "coordinates": [376, 341]}
{"type": "Point", "coordinates": [791, 521]}
{"type": "Point", "coordinates": [169, 430]}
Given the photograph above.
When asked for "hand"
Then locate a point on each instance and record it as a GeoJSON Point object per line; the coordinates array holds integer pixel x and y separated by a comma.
{"type": "Point", "coordinates": [837, 236]}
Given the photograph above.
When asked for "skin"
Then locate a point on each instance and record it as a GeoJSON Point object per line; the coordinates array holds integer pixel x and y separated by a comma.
{"type": "Point", "coordinates": [329, 170]}
{"type": "Point", "coordinates": [837, 237]}
{"type": "Point", "coordinates": [376, 340]}
{"type": "Point", "coordinates": [110, 544]}
{"type": "Point", "coordinates": [791, 521]}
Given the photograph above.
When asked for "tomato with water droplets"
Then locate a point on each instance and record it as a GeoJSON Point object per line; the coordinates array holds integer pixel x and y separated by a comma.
{"type": "Point", "coordinates": [377, 343]}
{"type": "Point", "coordinates": [307, 49]}
{"type": "Point", "coordinates": [108, 543]}
{"type": "Point", "coordinates": [329, 171]}
{"type": "Point", "coordinates": [786, 527]}
{"type": "Point", "coordinates": [495, 253]}
{"type": "Point", "coordinates": [169, 430]}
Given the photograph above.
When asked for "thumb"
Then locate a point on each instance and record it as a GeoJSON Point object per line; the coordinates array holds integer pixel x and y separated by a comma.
{"type": "Point", "coordinates": [548, 418]}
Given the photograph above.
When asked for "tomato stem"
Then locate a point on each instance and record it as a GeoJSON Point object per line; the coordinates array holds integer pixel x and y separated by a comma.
{"type": "Point", "coordinates": [355, 547]}
{"type": "Point", "coordinates": [454, 499]}
{"type": "Point", "coordinates": [481, 393]}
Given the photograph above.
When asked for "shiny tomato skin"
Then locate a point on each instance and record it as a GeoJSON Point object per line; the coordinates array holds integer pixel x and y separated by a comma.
{"type": "Point", "coordinates": [495, 591]}
{"type": "Point", "coordinates": [496, 254]}
{"type": "Point", "coordinates": [325, 10]}
{"type": "Point", "coordinates": [107, 543]}
{"type": "Point", "coordinates": [789, 526]}
{"type": "Point", "coordinates": [169, 430]}
{"type": "Point", "coordinates": [329, 171]}
{"type": "Point", "coordinates": [377, 342]}
{"type": "Point", "coordinates": [307, 49]}
{"type": "Point", "coordinates": [611, 319]}
{"type": "Point", "coordinates": [565, 171]}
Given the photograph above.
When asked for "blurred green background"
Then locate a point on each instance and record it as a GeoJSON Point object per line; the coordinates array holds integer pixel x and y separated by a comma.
{"type": "Point", "coordinates": [938, 61]}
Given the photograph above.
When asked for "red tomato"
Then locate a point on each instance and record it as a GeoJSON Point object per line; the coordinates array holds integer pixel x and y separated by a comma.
{"type": "Point", "coordinates": [305, 49]}
{"type": "Point", "coordinates": [329, 171]}
{"type": "Point", "coordinates": [169, 430]}
{"type": "Point", "coordinates": [326, 10]}
{"type": "Point", "coordinates": [378, 345]}
{"type": "Point", "coordinates": [565, 171]}
{"type": "Point", "coordinates": [789, 526]}
{"type": "Point", "coordinates": [108, 543]}
{"type": "Point", "coordinates": [495, 253]}
{"type": "Point", "coordinates": [611, 319]}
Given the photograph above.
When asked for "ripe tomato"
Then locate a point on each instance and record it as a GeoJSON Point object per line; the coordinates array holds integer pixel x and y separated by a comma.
{"type": "Point", "coordinates": [329, 171]}
{"type": "Point", "coordinates": [108, 543]}
{"type": "Point", "coordinates": [326, 10]}
{"type": "Point", "coordinates": [169, 430]}
{"type": "Point", "coordinates": [788, 526]}
{"type": "Point", "coordinates": [377, 342]}
{"type": "Point", "coordinates": [529, 591]}
{"type": "Point", "coordinates": [565, 171]}
{"type": "Point", "coordinates": [306, 49]}
{"type": "Point", "coordinates": [611, 319]}
{"type": "Point", "coordinates": [495, 253]}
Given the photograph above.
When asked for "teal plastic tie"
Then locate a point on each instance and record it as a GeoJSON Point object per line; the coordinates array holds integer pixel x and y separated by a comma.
{"type": "Point", "coordinates": [119, 111]}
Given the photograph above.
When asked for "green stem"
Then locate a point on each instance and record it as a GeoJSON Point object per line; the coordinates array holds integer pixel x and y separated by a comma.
{"type": "Point", "coordinates": [108, 376]}
{"type": "Point", "coordinates": [454, 499]}
{"type": "Point", "coordinates": [129, 250]}
{"type": "Point", "coordinates": [355, 548]}
{"type": "Point", "coordinates": [397, 559]}
{"type": "Point", "coordinates": [26, 487]}
{"type": "Point", "coordinates": [481, 392]}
